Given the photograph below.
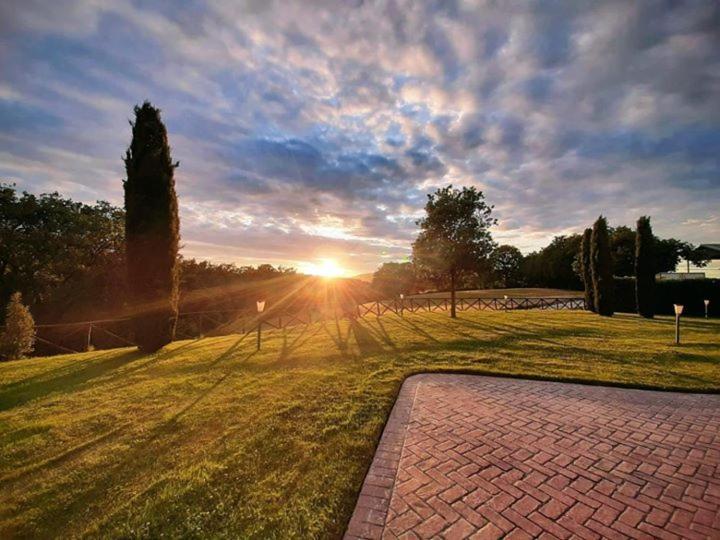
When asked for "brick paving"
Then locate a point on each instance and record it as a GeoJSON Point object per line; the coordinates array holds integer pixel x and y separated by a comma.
{"type": "Point", "coordinates": [467, 456]}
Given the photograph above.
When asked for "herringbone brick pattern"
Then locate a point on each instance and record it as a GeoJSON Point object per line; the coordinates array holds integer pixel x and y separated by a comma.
{"type": "Point", "coordinates": [482, 457]}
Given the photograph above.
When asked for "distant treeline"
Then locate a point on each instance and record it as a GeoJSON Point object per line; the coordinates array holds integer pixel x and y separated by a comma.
{"type": "Point", "coordinates": [554, 266]}
{"type": "Point", "coordinates": [68, 260]}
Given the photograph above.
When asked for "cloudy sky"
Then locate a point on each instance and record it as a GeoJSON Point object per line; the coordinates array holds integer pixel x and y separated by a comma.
{"type": "Point", "coordinates": [314, 130]}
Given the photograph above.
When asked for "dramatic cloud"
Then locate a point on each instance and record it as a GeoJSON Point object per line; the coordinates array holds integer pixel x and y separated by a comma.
{"type": "Point", "coordinates": [310, 130]}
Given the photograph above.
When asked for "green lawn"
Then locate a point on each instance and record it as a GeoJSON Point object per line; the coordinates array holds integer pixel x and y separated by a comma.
{"type": "Point", "coordinates": [210, 438]}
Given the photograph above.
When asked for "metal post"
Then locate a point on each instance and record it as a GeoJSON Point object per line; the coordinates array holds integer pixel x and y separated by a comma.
{"type": "Point", "coordinates": [677, 329]}
{"type": "Point", "coordinates": [258, 333]}
{"type": "Point", "coordinates": [89, 338]}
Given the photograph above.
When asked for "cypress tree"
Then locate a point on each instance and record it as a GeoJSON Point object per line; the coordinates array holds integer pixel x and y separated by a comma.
{"type": "Point", "coordinates": [601, 268]}
{"type": "Point", "coordinates": [152, 231]}
{"type": "Point", "coordinates": [645, 268]}
{"type": "Point", "coordinates": [585, 269]}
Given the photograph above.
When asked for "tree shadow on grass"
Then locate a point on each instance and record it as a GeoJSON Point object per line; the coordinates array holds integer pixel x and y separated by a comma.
{"type": "Point", "coordinates": [696, 323]}
{"type": "Point", "coordinates": [298, 341]}
{"type": "Point", "coordinates": [415, 328]}
{"type": "Point", "coordinates": [88, 370]}
{"type": "Point", "coordinates": [366, 342]}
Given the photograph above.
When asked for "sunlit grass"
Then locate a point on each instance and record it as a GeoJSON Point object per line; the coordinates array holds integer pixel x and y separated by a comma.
{"type": "Point", "coordinates": [212, 438]}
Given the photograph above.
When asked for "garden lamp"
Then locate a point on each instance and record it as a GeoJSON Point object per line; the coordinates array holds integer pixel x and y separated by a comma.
{"type": "Point", "coordinates": [260, 308]}
{"type": "Point", "coordinates": [402, 304]}
{"type": "Point", "coordinates": [678, 312]}
{"type": "Point", "coordinates": [707, 303]}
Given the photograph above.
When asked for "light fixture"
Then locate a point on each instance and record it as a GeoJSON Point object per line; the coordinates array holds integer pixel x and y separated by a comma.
{"type": "Point", "coordinates": [707, 303]}
{"type": "Point", "coordinates": [260, 308]}
{"type": "Point", "coordinates": [678, 312]}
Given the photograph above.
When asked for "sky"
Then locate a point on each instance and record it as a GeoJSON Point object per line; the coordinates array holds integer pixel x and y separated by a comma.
{"type": "Point", "coordinates": [314, 130]}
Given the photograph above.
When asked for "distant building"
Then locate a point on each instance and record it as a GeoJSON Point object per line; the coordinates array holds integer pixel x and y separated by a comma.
{"type": "Point", "coordinates": [712, 270]}
{"type": "Point", "coordinates": [679, 276]}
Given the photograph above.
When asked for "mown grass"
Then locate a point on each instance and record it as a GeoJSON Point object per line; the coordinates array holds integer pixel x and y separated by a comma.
{"type": "Point", "coordinates": [210, 438]}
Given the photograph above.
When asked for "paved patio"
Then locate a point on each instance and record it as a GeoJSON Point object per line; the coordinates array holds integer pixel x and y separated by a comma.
{"type": "Point", "coordinates": [482, 457]}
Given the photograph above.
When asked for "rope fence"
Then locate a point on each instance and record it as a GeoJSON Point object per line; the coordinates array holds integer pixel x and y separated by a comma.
{"type": "Point", "coordinates": [73, 337]}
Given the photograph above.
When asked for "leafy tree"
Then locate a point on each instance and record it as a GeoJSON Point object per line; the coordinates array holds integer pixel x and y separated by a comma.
{"type": "Point", "coordinates": [394, 278]}
{"type": "Point", "coordinates": [506, 262]}
{"type": "Point", "coordinates": [645, 268]}
{"type": "Point", "coordinates": [622, 250]}
{"type": "Point", "coordinates": [669, 251]}
{"type": "Point", "coordinates": [601, 268]}
{"type": "Point", "coordinates": [152, 230]}
{"type": "Point", "coordinates": [554, 265]}
{"type": "Point", "coordinates": [18, 336]}
{"type": "Point", "coordinates": [586, 269]}
{"type": "Point", "coordinates": [455, 236]}
{"type": "Point", "coordinates": [692, 255]}
{"type": "Point", "coordinates": [59, 253]}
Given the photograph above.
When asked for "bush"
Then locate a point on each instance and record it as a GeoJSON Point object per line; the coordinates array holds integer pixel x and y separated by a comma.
{"type": "Point", "coordinates": [18, 336]}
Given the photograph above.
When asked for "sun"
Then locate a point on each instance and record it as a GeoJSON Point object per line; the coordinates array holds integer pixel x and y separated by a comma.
{"type": "Point", "coordinates": [328, 268]}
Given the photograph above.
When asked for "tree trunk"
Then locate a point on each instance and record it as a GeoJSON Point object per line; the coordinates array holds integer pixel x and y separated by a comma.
{"type": "Point", "coordinates": [452, 295]}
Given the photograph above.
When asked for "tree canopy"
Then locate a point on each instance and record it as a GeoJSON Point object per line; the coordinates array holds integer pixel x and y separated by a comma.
{"type": "Point", "coordinates": [454, 236]}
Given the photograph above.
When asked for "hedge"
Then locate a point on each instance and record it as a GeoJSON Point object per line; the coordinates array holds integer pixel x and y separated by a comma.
{"type": "Point", "coordinates": [689, 293]}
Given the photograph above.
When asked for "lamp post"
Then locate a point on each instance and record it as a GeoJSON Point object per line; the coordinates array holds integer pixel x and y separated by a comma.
{"type": "Point", "coordinates": [678, 312]}
{"type": "Point", "coordinates": [505, 297]}
{"type": "Point", "coordinates": [707, 303]}
{"type": "Point", "coordinates": [402, 304]}
{"type": "Point", "coordinates": [260, 309]}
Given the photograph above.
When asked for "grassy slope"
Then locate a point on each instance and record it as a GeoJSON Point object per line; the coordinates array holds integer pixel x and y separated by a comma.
{"type": "Point", "coordinates": [210, 438]}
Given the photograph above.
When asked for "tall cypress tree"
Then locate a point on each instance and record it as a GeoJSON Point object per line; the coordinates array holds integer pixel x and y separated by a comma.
{"type": "Point", "coordinates": [645, 268]}
{"type": "Point", "coordinates": [585, 268]}
{"type": "Point", "coordinates": [152, 231]}
{"type": "Point", "coordinates": [601, 268]}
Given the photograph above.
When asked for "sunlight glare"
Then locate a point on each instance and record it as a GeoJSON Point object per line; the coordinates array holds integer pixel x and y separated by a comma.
{"type": "Point", "coordinates": [328, 268]}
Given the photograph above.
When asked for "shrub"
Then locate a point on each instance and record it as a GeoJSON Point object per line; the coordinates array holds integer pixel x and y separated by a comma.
{"type": "Point", "coordinates": [18, 336]}
{"type": "Point", "coordinates": [601, 268]}
{"type": "Point", "coordinates": [152, 231]}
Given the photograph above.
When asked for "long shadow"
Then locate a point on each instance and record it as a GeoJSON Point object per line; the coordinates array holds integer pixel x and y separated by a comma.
{"type": "Point", "coordinates": [517, 332]}
{"type": "Point", "coordinates": [384, 334]}
{"type": "Point", "coordinates": [205, 392]}
{"type": "Point", "coordinates": [415, 328]}
{"type": "Point", "coordinates": [366, 343]}
{"type": "Point", "coordinates": [696, 322]}
{"type": "Point", "coordinates": [66, 383]}
{"type": "Point", "coordinates": [118, 430]}
{"type": "Point", "coordinates": [340, 341]}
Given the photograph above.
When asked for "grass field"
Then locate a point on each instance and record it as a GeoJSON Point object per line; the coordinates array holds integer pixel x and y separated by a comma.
{"type": "Point", "coordinates": [211, 438]}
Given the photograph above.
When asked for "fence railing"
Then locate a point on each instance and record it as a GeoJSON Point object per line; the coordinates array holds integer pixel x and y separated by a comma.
{"type": "Point", "coordinates": [414, 304]}
{"type": "Point", "coordinates": [111, 333]}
